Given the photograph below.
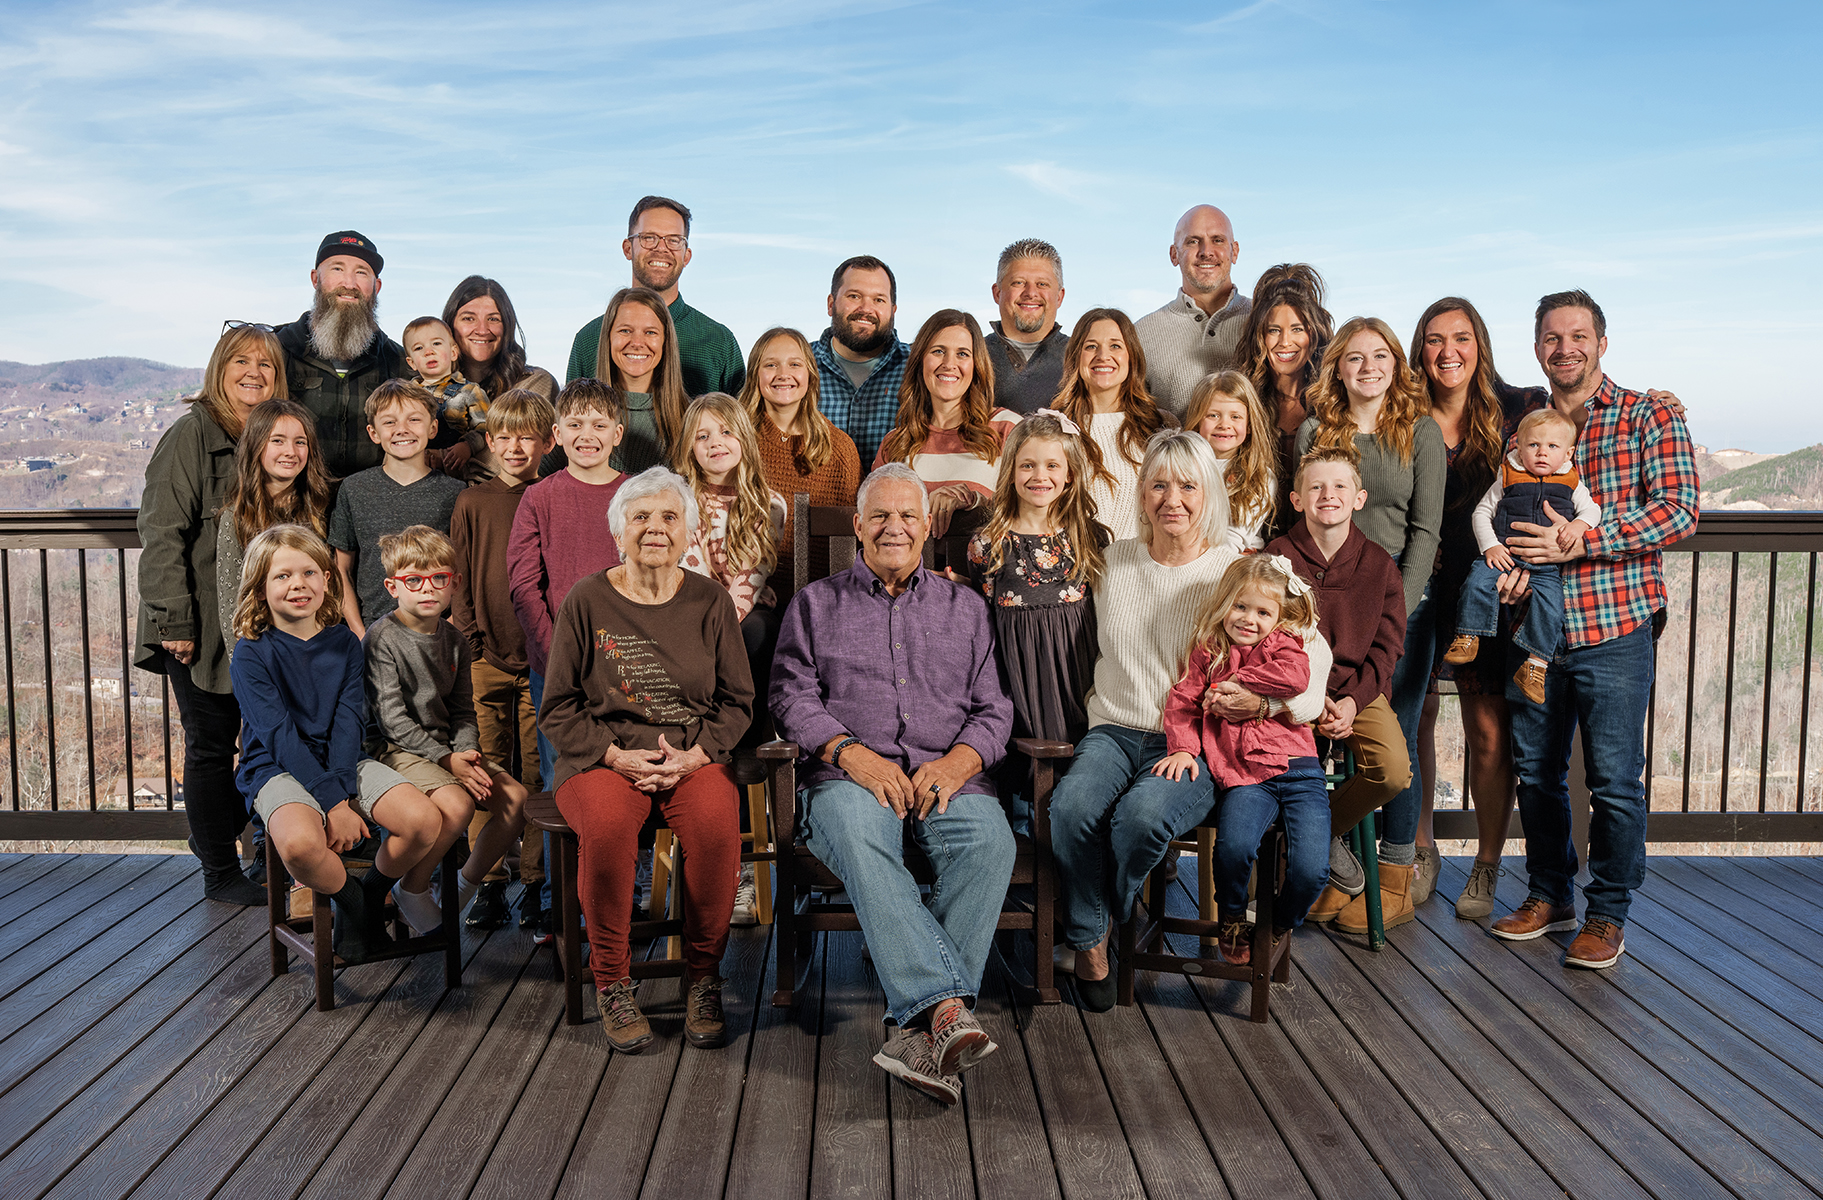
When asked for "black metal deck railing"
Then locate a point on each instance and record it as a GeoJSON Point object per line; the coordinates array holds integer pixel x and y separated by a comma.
{"type": "Point", "coordinates": [91, 740]}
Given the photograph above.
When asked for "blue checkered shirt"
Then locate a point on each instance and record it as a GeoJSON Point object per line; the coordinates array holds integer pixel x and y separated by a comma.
{"type": "Point", "coordinates": [866, 413]}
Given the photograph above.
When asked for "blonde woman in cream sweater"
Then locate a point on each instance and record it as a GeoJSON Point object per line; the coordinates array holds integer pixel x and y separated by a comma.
{"type": "Point", "coordinates": [1111, 818]}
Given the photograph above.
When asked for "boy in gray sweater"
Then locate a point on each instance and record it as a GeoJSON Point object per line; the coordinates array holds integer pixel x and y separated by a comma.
{"type": "Point", "coordinates": [421, 711]}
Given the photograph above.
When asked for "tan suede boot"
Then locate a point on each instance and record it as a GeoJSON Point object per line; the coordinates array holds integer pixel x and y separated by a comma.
{"type": "Point", "coordinates": [1395, 901]}
{"type": "Point", "coordinates": [1331, 901]}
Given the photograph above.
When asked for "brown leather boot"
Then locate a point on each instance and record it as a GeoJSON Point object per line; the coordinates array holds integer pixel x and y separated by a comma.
{"type": "Point", "coordinates": [1395, 901]}
{"type": "Point", "coordinates": [1463, 649]}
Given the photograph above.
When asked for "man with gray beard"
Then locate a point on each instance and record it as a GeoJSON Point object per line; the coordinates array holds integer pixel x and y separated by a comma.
{"type": "Point", "coordinates": [335, 354]}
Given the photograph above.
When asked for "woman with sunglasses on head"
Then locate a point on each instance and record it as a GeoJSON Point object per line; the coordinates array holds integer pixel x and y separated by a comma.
{"type": "Point", "coordinates": [180, 632]}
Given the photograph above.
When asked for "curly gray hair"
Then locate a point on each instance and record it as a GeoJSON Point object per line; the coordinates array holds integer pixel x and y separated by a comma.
{"type": "Point", "coordinates": [651, 483]}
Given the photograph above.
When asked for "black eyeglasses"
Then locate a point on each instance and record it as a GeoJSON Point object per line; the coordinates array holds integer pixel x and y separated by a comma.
{"type": "Point", "coordinates": [227, 325]}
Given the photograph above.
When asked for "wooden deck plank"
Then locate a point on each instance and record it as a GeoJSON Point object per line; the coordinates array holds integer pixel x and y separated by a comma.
{"type": "Point", "coordinates": [52, 1059]}
{"type": "Point", "coordinates": [696, 1135]}
{"type": "Point", "coordinates": [1365, 1053]}
{"type": "Point", "coordinates": [1168, 1147]}
{"type": "Point", "coordinates": [278, 1123]}
{"type": "Point", "coordinates": [1662, 1073]}
{"type": "Point", "coordinates": [1336, 1112]}
{"type": "Point", "coordinates": [1750, 899]}
{"type": "Point", "coordinates": [189, 1088]}
{"type": "Point", "coordinates": [1089, 1147]}
{"type": "Point", "coordinates": [851, 1144]}
{"type": "Point", "coordinates": [85, 926]}
{"type": "Point", "coordinates": [43, 905]}
{"type": "Point", "coordinates": [373, 1148]}
{"type": "Point", "coordinates": [86, 985]}
{"type": "Point", "coordinates": [608, 1159]}
{"type": "Point", "coordinates": [1556, 1057]}
{"type": "Point", "coordinates": [454, 1148]}
{"type": "Point", "coordinates": [11, 859]}
{"type": "Point", "coordinates": [34, 868]}
{"type": "Point", "coordinates": [930, 1145]}
{"type": "Point", "coordinates": [1527, 1108]}
{"type": "Point", "coordinates": [771, 1153]}
{"type": "Point", "coordinates": [1782, 877]}
{"type": "Point", "coordinates": [1005, 1125]}
{"type": "Point", "coordinates": [1807, 868]}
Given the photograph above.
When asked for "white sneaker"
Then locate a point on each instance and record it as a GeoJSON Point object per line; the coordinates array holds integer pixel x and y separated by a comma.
{"type": "Point", "coordinates": [746, 898]}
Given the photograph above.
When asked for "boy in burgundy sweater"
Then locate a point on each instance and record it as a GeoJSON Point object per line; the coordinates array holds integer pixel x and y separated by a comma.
{"type": "Point", "coordinates": [1348, 572]}
{"type": "Point", "coordinates": [518, 435]}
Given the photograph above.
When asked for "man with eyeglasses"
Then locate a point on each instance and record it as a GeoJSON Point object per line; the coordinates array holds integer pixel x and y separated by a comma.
{"type": "Point", "coordinates": [1199, 331]}
{"type": "Point", "coordinates": [658, 246]}
{"type": "Point", "coordinates": [335, 354]}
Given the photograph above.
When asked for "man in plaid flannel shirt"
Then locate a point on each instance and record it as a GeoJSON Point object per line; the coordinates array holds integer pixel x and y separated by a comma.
{"type": "Point", "coordinates": [1635, 455]}
{"type": "Point", "coordinates": [860, 359]}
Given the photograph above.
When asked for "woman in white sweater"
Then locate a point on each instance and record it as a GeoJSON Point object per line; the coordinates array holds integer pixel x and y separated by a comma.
{"type": "Point", "coordinates": [1104, 392]}
{"type": "Point", "coordinates": [1111, 818]}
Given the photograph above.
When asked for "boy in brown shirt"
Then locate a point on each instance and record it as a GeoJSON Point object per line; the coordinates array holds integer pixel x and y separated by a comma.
{"type": "Point", "coordinates": [518, 435]}
{"type": "Point", "coordinates": [1361, 614]}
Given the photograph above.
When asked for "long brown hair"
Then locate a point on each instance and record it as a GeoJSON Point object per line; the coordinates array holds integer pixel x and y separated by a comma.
{"type": "Point", "coordinates": [252, 615]}
{"type": "Point", "coordinates": [1482, 443]}
{"type": "Point", "coordinates": [1406, 400]}
{"type": "Point", "coordinates": [1297, 611]}
{"type": "Point", "coordinates": [668, 395]}
{"type": "Point", "coordinates": [1140, 416]}
{"type": "Point", "coordinates": [254, 509]}
{"type": "Point", "coordinates": [750, 543]}
{"type": "Point", "coordinates": [811, 449]}
{"type": "Point", "coordinates": [1075, 509]}
{"type": "Point", "coordinates": [916, 405]}
{"type": "Point", "coordinates": [213, 398]}
{"type": "Point", "coordinates": [1300, 288]}
{"type": "Point", "coordinates": [507, 367]}
{"type": "Point", "coordinates": [1250, 469]}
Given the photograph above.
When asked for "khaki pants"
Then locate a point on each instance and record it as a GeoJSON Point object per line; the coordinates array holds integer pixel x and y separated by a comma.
{"type": "Point", "coordinates": [509, 736]}
{"type": "Point", "coordinates": [1382, 767]}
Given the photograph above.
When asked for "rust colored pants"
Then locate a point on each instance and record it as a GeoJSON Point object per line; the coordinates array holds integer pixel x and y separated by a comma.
{"type": "Point", "coordinates": [607, 813]}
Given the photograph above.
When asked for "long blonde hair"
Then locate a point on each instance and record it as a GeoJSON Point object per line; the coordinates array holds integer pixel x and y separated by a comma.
{"type": "Point", "coordinates": [1250, 469]}
{"type": "Point", "coordinates": [810, 450]}
{"type": "Point", "coordinates": [1297, 611]}
{"type": "Point", "coordinates": [1075, 509]}
{"type": "Point", "coordinates": [750, 543]}
{"type": "Point", "coordinates": [252, 615]}
{"type": "Point", "coordinates": [1140, 416]}
{"type": "Point", "coordinates": [1406, 401]}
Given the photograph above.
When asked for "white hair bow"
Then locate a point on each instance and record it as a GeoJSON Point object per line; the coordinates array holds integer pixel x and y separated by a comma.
{"type": "Point", "coordinates": [1294, 582]}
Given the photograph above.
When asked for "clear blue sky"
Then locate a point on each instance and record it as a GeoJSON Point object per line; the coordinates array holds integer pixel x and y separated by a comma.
{"type": "Point", "coordinates": [165, 166]}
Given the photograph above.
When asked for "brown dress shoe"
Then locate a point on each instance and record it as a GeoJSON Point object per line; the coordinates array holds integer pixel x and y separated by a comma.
{"type": "Point", "coordinates": [1332, 901]}
{"type": "Point", "coordinates": [1395, 901]}
{"type": "Point", "coordinates": [1530, 678]}
{"type": "Point", "coordinates": [1534, 919]}
{"type": "Point", "coordinates": [1599, 945]}
{"type": "Point", "coordinates": [1463, 649]}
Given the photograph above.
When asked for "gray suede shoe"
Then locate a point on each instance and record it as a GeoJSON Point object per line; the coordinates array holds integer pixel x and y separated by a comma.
{"type": "Point", "coordinates": [1426, 867]}
{"type": "Point", "coordinates": [1477, 899]}
{"type": "Point", "coordinates": [1345, 873]}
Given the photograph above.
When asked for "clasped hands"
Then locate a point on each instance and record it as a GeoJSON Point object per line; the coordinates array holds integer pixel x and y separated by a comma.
{"type": "Point", "coordinates": [933, 784]}
{"type": "Point", "coordinates": [654, 770]}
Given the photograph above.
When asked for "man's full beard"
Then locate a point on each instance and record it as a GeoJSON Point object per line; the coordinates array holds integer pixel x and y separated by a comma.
{"type": "Point", "coordinates": [341, 331]}
{"type": "Point", "coordinates": [867, 345]}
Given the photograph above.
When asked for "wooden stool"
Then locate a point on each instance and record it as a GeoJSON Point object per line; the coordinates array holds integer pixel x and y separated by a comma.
{"type": "Point", "coordinates": [308, 937]}
{"type": "Point", "coordinates": [541, 813]}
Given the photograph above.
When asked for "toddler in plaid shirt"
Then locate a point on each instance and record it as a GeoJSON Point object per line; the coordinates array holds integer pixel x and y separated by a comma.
{"type": "Point", "coordinates": [430, 350]}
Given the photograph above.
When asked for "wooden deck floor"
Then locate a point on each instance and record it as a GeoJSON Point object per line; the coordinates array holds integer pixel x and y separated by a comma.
{"type": "Point", "coordinates": [145, 1051]}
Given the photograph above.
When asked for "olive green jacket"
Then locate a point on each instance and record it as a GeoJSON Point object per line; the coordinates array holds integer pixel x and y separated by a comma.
{"type": "Point", "coordinates": [186, 481]}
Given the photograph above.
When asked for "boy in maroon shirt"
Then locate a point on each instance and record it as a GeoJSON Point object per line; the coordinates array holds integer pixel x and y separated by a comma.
{"type": "Point", "coordinates": [480, 528]}
{"type": "Point", "coordinates": [1348, 572]}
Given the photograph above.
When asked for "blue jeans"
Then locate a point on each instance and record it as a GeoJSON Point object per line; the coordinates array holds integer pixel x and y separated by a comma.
{"type": "Point", "coordinates": [925, 953]}
{"type": "Point", "coordinates": [1247, 812]}
{"type": "Point", "coordinates": [1605, 688]}
{"type": "Point", "coordinates": [1111, 822]}
{"type": "Point", "coordinates": [1540, 633]}
{"type": "Point", "coordinates": [547, 774]}
{"type": "Point", "coordinates": [1411, 681]}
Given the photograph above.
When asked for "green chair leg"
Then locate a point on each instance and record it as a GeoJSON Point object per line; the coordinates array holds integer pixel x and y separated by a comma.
{"type": "Point", "coordinates": [1370, 863]}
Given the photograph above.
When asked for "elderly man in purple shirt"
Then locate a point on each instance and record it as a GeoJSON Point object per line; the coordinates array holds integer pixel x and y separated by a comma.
{"type": "Point", "coordinates": [886, 676]}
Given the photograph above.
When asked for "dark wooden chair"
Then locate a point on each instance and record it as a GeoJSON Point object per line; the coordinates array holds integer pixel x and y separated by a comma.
{"type": "Point", "coordinates": [1142, 935]}
{"type": "Point", "coordinates": [309, 937]}
{"type": "Point", "coordinates": [567, 945]}
{"type": "Point", "coordinates": [805, 884]}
